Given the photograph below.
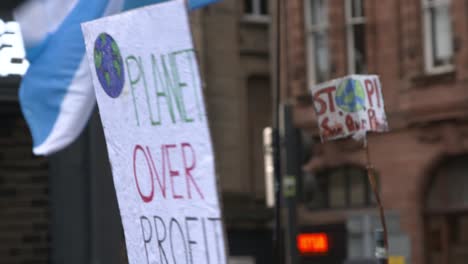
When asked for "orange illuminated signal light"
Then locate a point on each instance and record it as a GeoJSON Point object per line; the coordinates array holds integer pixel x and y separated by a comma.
{"type": "Point", "coordinates": [312, 243]}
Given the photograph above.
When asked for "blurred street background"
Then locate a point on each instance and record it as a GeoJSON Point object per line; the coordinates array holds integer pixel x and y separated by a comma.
{"type": "Point", "coordinates": [63, 209]}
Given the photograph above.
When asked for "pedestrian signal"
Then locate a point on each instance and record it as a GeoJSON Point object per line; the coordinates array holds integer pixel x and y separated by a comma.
{"type": "Point", "coordinates": [312, 243]}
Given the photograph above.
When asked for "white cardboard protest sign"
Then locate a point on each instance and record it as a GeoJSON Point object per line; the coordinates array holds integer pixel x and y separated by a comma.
{"type": "Point", "coordinates": [149, 94]}
{"type": "Point", "coordinates": [349, 106]}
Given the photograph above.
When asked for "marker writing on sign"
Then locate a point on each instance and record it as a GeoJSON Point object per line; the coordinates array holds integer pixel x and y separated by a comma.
{"type": "Point", "coordinates": [168, 87]}
{"type": "Point", "coordinates": [348, 120]}
{"type": "Point", "coordinates": [169, 238]}
{"type": "Point", "coordinates": [143, 156]}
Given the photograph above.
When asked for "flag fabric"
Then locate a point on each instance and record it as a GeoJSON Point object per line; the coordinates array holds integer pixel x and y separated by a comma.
{"type": "Point", "coordinates": [56, 93]}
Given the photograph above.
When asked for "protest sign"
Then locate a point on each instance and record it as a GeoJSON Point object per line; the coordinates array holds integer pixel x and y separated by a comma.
{"type": "Point", "coordinates": [349, 106]}
{"type": "Point", "coordinates": [149, 94]}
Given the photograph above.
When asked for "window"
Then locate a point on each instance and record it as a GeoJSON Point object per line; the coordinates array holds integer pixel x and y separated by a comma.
{"type": "Point", "coordinates": [356, 36]}
{"type": "Point", "coordinates": [438, 36]}
{"type": "Point", "coordinates": [256, 10]}
{"type": "Point", "coordinates": [316, 19]}
{"type": "Point", "coordinates": [338, 188]}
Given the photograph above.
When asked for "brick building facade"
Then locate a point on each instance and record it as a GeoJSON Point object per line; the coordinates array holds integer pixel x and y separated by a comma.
{"type": "Point", "coordinates": [24, 183]}
{"type": "Point", "coordinates": [24, 199]}
{"type": "Point", "coordinates": [418, 48]}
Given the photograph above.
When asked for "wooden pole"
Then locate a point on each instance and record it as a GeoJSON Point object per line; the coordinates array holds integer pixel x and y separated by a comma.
{"type": "Point", "coordinates": [373, 183]}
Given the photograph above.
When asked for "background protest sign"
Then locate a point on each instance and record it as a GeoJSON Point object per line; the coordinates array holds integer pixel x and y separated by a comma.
{"type": "Point", "coordinates": [349, 106]}
{"type": "Point", "coordinates": [148, 90]}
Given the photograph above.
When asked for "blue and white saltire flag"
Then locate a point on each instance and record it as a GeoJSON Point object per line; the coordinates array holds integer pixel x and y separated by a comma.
{"type": "Point", "coordinates": [56, 93]}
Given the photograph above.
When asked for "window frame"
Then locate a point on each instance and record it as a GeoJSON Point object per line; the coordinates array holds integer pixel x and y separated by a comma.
{"type": "Point", "coordinates": [310, 30]}
{"type": "Point", "coordinates": [256, 15]}
{"type": "Point", "coordinates": [429, 62]}
{"type": "Point", "coordinates": [323, 180]}
{"type": "Point", "coordinates": [350, 22]}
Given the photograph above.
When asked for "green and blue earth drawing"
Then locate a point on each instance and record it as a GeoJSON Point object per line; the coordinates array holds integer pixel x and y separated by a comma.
{"type": "Point", "coordinates": [109, 65]}
{"type": "Point", "coordinates": [350, 96]}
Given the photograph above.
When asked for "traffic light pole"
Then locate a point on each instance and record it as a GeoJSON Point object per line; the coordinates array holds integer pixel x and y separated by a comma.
{"type": "Point", "coordinates": [277, 231]}
{"type": "Point", "coordinates": [291, 146]}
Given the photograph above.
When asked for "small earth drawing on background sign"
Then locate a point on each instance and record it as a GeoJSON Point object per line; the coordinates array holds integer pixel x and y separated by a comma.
{"type": "Point", "coordinates": [350, 96]}
{"type": "Point", "coordinates": [109, 65]}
